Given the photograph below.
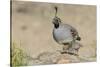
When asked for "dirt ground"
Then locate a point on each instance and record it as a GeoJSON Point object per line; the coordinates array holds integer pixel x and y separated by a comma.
{"type": "Point", "coordinates": [32, 26]}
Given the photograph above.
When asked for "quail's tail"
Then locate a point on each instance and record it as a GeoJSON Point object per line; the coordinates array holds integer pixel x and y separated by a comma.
{"type": "Point", "coordinates": [78, 38]}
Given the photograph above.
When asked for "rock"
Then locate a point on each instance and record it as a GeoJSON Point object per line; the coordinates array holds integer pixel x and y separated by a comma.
{"type": "Point", "coordinates": [54, 58]}
{"type": "Point", "coordinates": [63, 61]}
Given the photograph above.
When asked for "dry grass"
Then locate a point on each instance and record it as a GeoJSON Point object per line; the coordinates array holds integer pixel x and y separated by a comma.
{"type": "Point", "coordinates": [18, 56]}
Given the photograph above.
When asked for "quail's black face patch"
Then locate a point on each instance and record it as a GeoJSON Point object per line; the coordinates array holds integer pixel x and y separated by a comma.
{"type": "Point", "coordinates": [56, 22]}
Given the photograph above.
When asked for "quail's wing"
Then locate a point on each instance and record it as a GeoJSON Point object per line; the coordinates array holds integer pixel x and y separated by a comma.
{"type": "Point", "coordinates": [72, 30]}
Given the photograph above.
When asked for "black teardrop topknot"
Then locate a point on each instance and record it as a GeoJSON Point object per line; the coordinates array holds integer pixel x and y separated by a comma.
{"type": "Point", "coordinates": [56, 9]}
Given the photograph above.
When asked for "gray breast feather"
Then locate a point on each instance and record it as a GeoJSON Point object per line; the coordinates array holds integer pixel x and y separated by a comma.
{"type": "Point", "coordinates": [63, 33]}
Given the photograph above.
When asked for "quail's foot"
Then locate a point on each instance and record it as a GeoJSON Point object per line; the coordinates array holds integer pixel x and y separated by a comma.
{"type": "Point", "coordinates": [64, 51]}
{"type": "Point", "coordinates": [73, 54]}
{"type": "Point", "coordinates": [73, 51]}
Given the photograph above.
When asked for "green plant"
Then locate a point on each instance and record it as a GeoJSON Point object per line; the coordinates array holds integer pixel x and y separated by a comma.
{"type": "Point", "coordinates": [18, 56]}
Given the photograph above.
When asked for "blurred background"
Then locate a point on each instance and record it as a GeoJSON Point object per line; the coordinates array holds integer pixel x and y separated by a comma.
{"type": "Point", "coordinates": [32, 26]}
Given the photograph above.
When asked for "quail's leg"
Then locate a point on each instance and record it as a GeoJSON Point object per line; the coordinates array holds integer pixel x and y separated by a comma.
{"type": "Point", "coordinates": [65, 49]}
{"type": "Point", "coordinates": [74, 48]}
{"type": "Point", "coordinates": [76, 52]}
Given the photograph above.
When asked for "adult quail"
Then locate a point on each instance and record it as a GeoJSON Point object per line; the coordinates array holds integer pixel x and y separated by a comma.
{"type": "Point", "coordinates": [64, 34]}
